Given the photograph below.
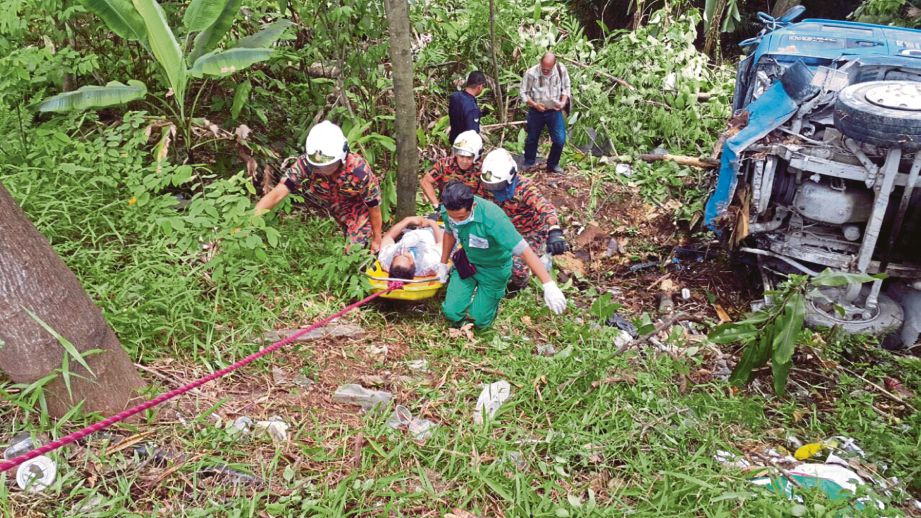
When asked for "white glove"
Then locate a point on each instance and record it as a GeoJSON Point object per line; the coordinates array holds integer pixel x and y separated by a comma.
{"type": "Point", "coordinates": [442, 270]}
{"type": "Point", "coordinates": [554, 298]}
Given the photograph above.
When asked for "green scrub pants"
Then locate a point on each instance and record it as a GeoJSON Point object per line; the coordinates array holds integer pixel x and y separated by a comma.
{"type": "Point", "coordinates": [477, 296]}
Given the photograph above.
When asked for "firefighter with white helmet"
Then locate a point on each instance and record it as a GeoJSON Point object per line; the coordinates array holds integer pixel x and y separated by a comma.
{"type": "Point", "coordinates": [463, 165]}
{"type": "Point", "coordinates": [532, 214]}
{"type": "Point", "coordinates": [336, 179]}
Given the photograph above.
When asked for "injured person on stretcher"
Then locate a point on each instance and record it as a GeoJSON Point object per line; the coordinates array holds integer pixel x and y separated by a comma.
{"type": "Point", "coordinates": [416, 254]}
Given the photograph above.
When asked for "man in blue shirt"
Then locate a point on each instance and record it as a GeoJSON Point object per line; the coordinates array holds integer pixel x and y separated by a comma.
{"type": "Point", "coordinates": [463, 111]}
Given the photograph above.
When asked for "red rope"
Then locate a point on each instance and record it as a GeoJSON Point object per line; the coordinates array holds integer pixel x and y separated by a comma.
{"type": "Point", "coordinates": [121, 416]}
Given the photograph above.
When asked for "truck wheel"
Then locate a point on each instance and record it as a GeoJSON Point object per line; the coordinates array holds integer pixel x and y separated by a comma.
{"type": "Point", "coordinates": [888, 317]}
{"type": "Point", "coordinates": [882, 113]}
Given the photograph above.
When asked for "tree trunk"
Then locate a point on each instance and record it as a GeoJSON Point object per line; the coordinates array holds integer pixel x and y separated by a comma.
{"type": "Point", "coordinates": [712, 40]}
{"type": "Point", "coordinates": [782, 6]}
{"type": "Point", "coordinates": [401, 59]}
{"type": "Point", "coordinates": [500, 101]}
{"type": "Point", "coordinates": [33, 277]}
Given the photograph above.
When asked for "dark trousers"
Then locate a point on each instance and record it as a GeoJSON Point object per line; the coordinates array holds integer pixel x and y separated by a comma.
{"type": "Point", "coordinates": [557, 125]}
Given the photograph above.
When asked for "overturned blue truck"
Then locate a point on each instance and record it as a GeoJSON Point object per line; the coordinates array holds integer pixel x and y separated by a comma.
{"type": "Point", "coordinates": [822, 168]}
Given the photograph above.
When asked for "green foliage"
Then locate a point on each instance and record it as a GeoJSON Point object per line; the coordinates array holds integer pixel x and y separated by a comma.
{"type": "Point", "coordinates": [121, 17]}
{"type": "Point", "coordinates": [88, 97]}
{"type": "Point", "coordinates": [213, 18]}
{"type": "Point", "coordinates": [771, 334]}
{"type": "Point", "coordinates": [906, 13]}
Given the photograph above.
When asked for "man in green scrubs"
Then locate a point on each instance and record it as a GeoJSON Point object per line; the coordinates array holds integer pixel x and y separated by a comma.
{"type": "Point", "coordinates": [490, 241]}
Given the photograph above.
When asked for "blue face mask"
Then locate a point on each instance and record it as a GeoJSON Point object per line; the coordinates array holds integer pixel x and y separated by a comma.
{"type": "Point", "coordinates": [508, 193]}
{"type": "Point", "coordinates": [464, 222]}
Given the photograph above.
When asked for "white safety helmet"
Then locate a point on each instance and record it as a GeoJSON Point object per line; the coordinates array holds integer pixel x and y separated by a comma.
{"type": "Point", "coordinates": [468, 143]}
{"type": "Point", "coordinates": [499, 168]}
{"type": "Point", "coordinates": [325, 144]}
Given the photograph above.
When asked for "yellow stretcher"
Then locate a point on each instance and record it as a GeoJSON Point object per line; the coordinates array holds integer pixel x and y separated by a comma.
{"type": "Point", "coordinates": [420, 288]}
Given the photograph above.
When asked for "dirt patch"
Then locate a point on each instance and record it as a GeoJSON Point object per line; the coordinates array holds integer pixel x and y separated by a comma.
{"type": "Point", "coordinates": [622, 245]}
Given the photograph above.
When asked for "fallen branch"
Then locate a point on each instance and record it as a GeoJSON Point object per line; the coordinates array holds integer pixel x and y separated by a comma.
{"type": "Point", "coordinates": [667, 323]}
{"type": "Point", "coordinates": [602, 73]}
{"type": "Point", "coordinates": [502, 125]}
{"type": "Point", "coordinates": [703, 163]}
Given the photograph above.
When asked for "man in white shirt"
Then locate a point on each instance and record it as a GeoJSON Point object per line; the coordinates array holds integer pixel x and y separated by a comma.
{"type": "Point", "coordinates": [416, 254]}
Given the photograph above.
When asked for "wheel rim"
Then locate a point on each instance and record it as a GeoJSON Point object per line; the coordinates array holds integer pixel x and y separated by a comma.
{"type": "Point", "coordinates": [896, 96]}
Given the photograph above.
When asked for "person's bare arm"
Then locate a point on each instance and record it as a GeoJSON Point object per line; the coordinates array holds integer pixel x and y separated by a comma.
{"type": "Point", "coordinates": [272, 198]}
{"type": "Point", "coordinates": [446, 246]}
{"type": "Point", "coordinates": [377, 221]}
{"type": "Point", "coordinates": [436, 229]}
{"type": "Point", "coordinates": [428, 188]}
{"type": "Point", "coordinates": [530, 258]}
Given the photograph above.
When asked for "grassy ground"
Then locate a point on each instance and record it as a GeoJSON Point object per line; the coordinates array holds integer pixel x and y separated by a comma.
{"type": "Point", "coordinates": [587, 432]}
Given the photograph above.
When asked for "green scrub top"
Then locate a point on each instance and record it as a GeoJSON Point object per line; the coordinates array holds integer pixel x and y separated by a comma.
{"type": "Point", "coordinates": [490, 239]}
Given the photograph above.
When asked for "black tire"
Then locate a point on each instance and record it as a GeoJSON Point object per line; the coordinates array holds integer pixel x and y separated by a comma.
{"type": "Point", "coordinates": [865, 121]}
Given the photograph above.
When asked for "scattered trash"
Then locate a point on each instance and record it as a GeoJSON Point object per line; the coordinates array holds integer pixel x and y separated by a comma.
{"type": "Point", "coordinates": [612, 249]}
{"type": "Point", "coordinates": [418, 365]}
{"type": "Point", "coordinates": [842, 445]}
{"type": "Point", "coordinates": [624, 169]}
{"type": "Point", "coordinates": [150, 452]}
{"type": "Point", "coordinates": [354, 394]}
{"type": "Point", "coordinates": [623, 324]}
{"type": "Point", "coordinates": [545, 350]}
{"type": "Point", "coordinates": [420, 429]}
{"type": "Point", "coordinates": [36, 474]}
{"type": "Point", "coordinates": [698, 255]}
{"type": "Point", "coordinates": [622, 339]}
{"type": "Point", "coordinates": [241, 424]}
{"type": "Point", "coordinates": [666, 304]}
{"type": "Point", "coordinates": [223, 473]}
{"type": "Point", "coordinates": [400, 418]}
{"type": "Point", "coordinates": [848, 446]}
{"type": "Point", "coordinates": [274, 427]}
{"type": "Point", "coordinates": [491, 398]}
{"type": "Point", "coordinates": [731, 459]}
{"type": "Point", "coordinates": [21, 444]}
{"type": "Point", "coordinates": [808, 451]}
{"type": "Point", "coordinates": [836, 482]}
{"type": "Point", "coordinates": [642, 266]}
{"type": "Point", "coordinates": [685, 294]}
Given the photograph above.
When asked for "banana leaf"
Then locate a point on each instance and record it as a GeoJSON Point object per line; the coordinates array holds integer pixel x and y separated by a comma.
{"type": "Point", "coordinates": [90, 97]}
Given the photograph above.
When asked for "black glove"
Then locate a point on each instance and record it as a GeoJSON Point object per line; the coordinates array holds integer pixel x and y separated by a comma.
{"type": "Point", "coordinates": [556, 243]}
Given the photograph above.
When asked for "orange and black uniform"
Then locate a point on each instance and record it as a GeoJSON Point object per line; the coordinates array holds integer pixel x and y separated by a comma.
{"type": "Point", "coordinates": [533, 216]}
{"type": "Point", "coordinates": [347, 195]}
{"type": "Point", "coordinates": [446, 170]}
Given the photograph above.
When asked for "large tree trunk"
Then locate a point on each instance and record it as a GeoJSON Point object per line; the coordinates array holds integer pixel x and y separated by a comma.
{"type": "Point", "coordinates": [714, 27]}
{"type": "Point", "coordinates": [500, 101]}
{"type": "Point", "coordinates": [33, 277]}
{"type": "Point", "coordinates": [402, 60]}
